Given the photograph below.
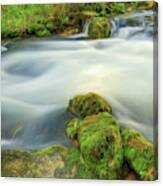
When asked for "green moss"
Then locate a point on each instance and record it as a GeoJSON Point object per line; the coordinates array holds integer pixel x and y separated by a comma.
{"type": "Point", "coordinates": [89, 14]}
{"type": "Point", "coordinates": [24, 20]}
{"type": "Point", "coordinates": [100, 145]}
{"type": "Point", "coordinates": [88, 104]}
{"type": "Point", "coordinates": [72, 128]}
{"type": "Point", "coordinates": [100, 27]}
{"type": "Point", "coordinates": [42, 33]}
{"type": "Point", "coordinates": [62, 150]}
{"type": "Point", "coordinates": [139, 153]}
{"type": "Point", "coordinates": [74, 167]}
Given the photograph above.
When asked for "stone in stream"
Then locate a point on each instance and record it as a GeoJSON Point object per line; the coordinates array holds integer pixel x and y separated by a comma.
{"type": "Point", "coordinates": [88, 104]}
{"type": "Point", "coordinates": [100, 27]}
{"type": "Point", "coordinates": [100, 144]}
{"type": "Point", "coordinates": [99, 139]}
{"type": "Point", "coordinates": [140, 154]}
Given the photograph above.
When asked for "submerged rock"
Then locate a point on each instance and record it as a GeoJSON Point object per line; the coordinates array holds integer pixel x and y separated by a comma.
{"type": "Point", "coordinates": [139, 153]}
{"type": "Point", "coordinates": [100, 27]}
{"type": "Point", "coordinates": [100, 144]}
{"type": "Point", "coordinates": [88, 104]}
{"type": "Point", "coordinates": [40, 163]}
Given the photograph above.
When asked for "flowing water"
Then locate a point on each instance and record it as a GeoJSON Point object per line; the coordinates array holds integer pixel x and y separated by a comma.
{"type": "Point", "coordinates": [40, 76]}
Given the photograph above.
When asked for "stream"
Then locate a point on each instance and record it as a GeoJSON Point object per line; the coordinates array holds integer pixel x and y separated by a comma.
{"type": "Point", "coordinates": [40, 76]}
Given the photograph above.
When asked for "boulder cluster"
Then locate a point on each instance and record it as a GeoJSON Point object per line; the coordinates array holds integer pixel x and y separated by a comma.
{"type": "Point", "coordinates": [103, 149]}
{"type": "Point", "coordinates": [105, 146]}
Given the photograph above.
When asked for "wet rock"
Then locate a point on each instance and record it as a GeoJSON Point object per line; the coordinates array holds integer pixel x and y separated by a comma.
{"type": "Point", "coordinates": [139, 153]}
{"type": "Point", "coordinates": [40, 163]}
{"type": "Point", "coordinates": [100, 27]}
{"type": "Point", "coordinates": [88, 104]}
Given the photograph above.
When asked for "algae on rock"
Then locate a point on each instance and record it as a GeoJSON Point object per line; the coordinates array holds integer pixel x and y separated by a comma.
{"type": "Point", "coordinates": [88, 104]}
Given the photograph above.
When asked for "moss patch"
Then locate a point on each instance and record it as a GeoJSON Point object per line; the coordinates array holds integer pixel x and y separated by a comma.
{"type": "Point", "coordinates": [100, 27]}
{"type": "Point", "coordinates": [101, 146]}
{"type": "Point", "coordinates": [139, 153]}
{"type": "Point", "coordinates": [88, 104]}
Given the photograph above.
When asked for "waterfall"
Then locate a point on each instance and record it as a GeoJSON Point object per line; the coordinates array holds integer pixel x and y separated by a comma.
{"type": "Point", "coordinates": [84, 33]}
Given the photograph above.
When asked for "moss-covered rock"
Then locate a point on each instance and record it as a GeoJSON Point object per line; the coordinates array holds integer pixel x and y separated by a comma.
{"type": "Point", "coordinates": [74, 167]}
{"type": "Point", "coordinates": [100, 27]}
{"type": "Point", "coordinates": [139, 153]}
{"type": "Point", "coordinates": [40, 163]}
{"type": "Point", "coordinates": [88, 104]}
{"type": "Point", "coordinates": [100, 144]}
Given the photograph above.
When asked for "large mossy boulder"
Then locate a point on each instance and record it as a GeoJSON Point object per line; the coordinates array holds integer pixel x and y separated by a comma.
{"type": "Point", "coordinates": [88, 104]}
{"type": "Point", "coordinates": [100, 144]}
{"type": "Point", "coordinates": [33, 164]}
{"type": "Point", "coordinates": [100, 27]}
{"type": "Point", "coordinates": [140, 154]}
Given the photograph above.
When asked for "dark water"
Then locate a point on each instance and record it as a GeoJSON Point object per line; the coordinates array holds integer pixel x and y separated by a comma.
{"type": "Point", "coordinates": [39, 77]}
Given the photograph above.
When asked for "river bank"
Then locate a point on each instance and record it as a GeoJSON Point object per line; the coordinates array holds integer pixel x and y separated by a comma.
{"type": "Point", "coordinates": [24, 21]}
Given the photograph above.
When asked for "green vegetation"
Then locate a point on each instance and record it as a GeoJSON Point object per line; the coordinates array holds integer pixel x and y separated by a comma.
{"type": "Point", "coordinates": [101, 146]}
{"type": "Point", "coordinates": [100, 27]}
{"type": "Point", "coordinates": [19, 21]}
{"type": "Point", "coordinates": [74, 167]}
{"type": "Point", "coordinates": [139, 153]}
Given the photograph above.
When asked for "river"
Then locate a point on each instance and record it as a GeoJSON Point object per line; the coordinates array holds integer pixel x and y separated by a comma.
{"type": "Point", "coordinates": [40, 76]}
